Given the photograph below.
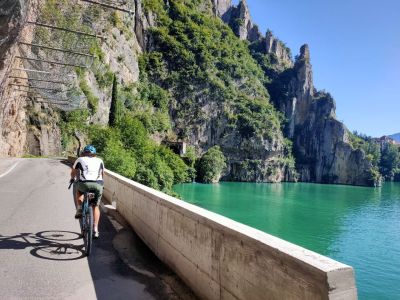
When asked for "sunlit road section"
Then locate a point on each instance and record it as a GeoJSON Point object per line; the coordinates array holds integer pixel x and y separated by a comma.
{"type": "Point", "coordinates": [41, 255]}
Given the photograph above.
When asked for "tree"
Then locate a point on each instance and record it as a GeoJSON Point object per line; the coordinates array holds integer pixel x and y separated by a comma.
{"type": "Point", "coordinates": [115, 108]}
{"type": "Point", "coordinates": [210, 166]}
{"type": "Point", "coordinates": [390, 161]}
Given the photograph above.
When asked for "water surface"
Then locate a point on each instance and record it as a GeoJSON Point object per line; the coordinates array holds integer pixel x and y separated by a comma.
{"type": "Point", "coordinates": [358, 226]}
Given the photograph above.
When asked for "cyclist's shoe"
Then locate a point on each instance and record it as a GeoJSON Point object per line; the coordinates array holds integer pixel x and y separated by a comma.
{"type": "Point", "coordinates": [96, 234]}
{"type": "Point", "coordinates": [78, 213]}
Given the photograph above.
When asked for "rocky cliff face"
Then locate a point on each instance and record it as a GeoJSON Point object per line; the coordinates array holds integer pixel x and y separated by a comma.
{"type": "Point", "coordinates": [25, 129]}
{"type": "Point", "coordinates": [320, 142]}
{"type": "Point", "coordinates": [221, 7]}
{"type": "Point", "coordinates": [12, 113]}
{"type": "Point", "coordinates": [322, 151]}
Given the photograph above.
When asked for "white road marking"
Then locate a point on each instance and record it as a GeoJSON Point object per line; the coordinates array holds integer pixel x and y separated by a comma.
{"type": "Point", "coordinates": [10, 169]}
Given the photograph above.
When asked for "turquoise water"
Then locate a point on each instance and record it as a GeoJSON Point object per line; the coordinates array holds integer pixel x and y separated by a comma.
{"type": "Point", "coordinates": [355, 225]}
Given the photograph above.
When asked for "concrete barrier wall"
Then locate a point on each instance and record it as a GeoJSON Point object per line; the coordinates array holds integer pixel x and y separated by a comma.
{"type": "Point", "coordinates": [222, 259]}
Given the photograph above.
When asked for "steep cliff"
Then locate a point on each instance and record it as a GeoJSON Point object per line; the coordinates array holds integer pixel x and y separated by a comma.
{"type": "Point", "coordinates": [218, 93]}
{"type": "Point", "coordinates": [184, 76]}
{"type": "Point", "coordinates": [320, 142]}
{"type": "Point", "coordinates": [12, 112]}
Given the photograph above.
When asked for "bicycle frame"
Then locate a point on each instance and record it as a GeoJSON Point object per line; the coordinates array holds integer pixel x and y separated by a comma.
{"type": "Point", "coordinates": [87, 222]}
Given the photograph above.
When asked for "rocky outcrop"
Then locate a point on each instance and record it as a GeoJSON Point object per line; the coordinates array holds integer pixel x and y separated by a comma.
{"type": "Point", "coordinates": [241, 23]}
{"type": "Point", "coordinates": [320, 142]}
{"type": "Point", "coordinates": [221, 7]}
{"type": "Point", "coordinates": [249, 159]}
{"type": "Point", "coordinates": [143, 21]}
{"type": "Point", "coordinates": [278, 49]}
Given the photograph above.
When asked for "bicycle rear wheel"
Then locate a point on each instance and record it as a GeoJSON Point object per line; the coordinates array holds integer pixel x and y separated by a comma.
{"type": "Point", "coordinates": [88, 231]}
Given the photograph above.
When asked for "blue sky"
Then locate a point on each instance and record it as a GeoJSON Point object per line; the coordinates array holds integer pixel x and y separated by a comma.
{"type": "Point", "coordinates": [355, 53]}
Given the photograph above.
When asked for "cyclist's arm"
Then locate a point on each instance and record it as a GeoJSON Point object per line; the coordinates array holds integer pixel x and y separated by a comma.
{"type": "Point", "coordinates": [75, 169]}
{"type": "Point", "coordinates": [74, 173]}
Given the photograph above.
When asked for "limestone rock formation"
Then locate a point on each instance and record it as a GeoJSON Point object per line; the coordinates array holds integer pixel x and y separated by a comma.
{"type": "Point", "coordinates": [241, 23]}
{"type": "Point", "coordinates": [143, 21]}
{"type": "Point", "coordinates": [320, 142]}
{"type": "Point", "coordinates": [277, 48]}
{"type": "Point", "coordinates": [12, 114]}
{"type": "Point", "coordinates": [221, 7]}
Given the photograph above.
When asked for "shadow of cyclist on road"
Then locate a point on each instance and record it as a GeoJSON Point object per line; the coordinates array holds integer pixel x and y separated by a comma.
{"type": "Point", "coordinates": [52, 245]}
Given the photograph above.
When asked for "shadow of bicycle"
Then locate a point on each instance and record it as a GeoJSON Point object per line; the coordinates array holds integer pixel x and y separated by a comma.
{"type": "Point", "coordinates": [51, 245]}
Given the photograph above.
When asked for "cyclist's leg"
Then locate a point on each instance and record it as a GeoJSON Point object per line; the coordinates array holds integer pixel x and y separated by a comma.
{"type": "Point", "coordinates": [79, 198]}
{"type": "Point", "coordinates": [99, 192]}
{"type": "Point", "coordinates": [96, 214]}
{"type": "Point", "coordinates": [97, 189]}
{"type": "Point", "coordinates": [80, 190]}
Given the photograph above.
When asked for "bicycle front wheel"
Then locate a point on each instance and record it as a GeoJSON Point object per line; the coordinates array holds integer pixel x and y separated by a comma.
{"type": "Point", "coordinates": [88, 232]}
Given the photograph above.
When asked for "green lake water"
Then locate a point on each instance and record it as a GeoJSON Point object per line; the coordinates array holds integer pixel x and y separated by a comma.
{"type": "Point", "coordinates": [358, 226]}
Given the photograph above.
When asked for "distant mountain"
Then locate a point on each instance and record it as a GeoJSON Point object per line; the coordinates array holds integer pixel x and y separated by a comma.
{"type": "Point", "coordinates": [396, 137]}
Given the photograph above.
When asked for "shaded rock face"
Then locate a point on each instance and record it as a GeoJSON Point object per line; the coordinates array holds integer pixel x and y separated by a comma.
{"type": "Point", "coordinates": [24, 128]}
{"type": "Point", "coordinates": [143, 21]}
{"type": "Point", "coordinates": [44, 135]}
{"type": "Point", "coordinates": [320, 142]}
{"type": "Point", "coordinates": [253, 158]}
{"type": "Point", "coordinates": [11, 14]}
{"type": "Point", "coordinates": [12, 114]}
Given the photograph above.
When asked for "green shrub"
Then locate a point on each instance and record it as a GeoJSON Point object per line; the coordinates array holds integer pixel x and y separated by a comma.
{"type": "Point", "coordinates": [92, 100]}
{"type": "Point", "coordinates": [175, 163]}
{"type": "Point", "coordinates": [101, 136]}
{"type": "Point", "coordinates": [211, 165]}
{"type": "Point", "coordinates": [119, 160]}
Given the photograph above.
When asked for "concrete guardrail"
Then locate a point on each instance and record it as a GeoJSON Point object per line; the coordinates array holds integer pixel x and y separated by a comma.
{"type": "Point", "coordinates": [219, 258]}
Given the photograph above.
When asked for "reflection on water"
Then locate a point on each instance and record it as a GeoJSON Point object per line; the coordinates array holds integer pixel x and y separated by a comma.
{"type": "Point", "coordinates": [355, 225]}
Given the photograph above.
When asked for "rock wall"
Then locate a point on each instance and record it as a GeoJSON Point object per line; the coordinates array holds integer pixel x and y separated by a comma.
{"type": "Point", "coordinates": [321, 146]}
{"type": "Point", "coordinates": [12, 112]}
{"type": "Point", "coordinates": [24, 130]}
{"type": "Point", "coordinates": [320, 142]}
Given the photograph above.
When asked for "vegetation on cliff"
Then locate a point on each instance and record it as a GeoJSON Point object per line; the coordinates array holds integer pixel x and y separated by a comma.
{"type": "Point", "coordinates": [198, 57]}
{"type": "Point", "coordinates": [384, 156]}
{"type": "Point", "coordinates": [198, 83]}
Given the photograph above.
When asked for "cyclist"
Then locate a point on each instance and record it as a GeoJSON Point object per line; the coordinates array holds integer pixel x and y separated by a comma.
{"type": "Point", "coordinates": [89, 171]}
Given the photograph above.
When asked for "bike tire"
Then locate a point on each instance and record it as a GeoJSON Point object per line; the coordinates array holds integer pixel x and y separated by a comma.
{"type": "Point", "coordinates": [88, 232]}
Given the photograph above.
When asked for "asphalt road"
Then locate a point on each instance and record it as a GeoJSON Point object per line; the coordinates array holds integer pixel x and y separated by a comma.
{"type": "Point", "coordinates": [41, 255]}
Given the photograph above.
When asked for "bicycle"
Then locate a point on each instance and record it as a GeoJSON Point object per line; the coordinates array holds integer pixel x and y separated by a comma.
{"type": "Point", "coordinates": [86, 221]}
